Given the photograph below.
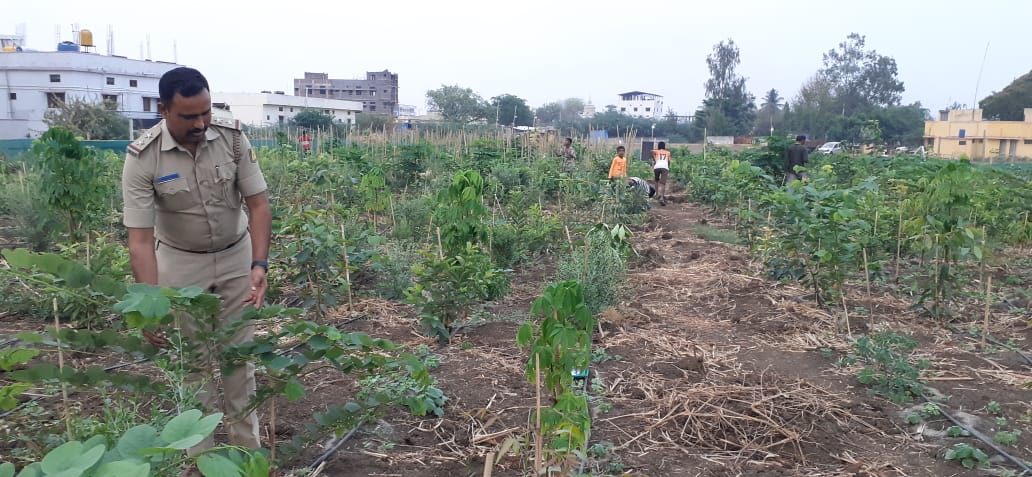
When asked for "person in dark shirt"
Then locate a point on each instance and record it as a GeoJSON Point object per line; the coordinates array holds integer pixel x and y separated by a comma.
{"type": "Point", "coordinates": [796, 155]}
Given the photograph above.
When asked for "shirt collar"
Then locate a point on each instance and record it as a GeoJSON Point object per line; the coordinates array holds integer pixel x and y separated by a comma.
{"type": "Point", "coordinates": [168, 142]}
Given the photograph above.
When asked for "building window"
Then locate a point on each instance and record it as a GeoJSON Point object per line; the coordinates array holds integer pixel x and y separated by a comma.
{"type": "Point", "coordinates": [327, 111]}
{"type": "Point", "coordinates": [132, 83]}
{"type": "Point", "coordinates": [358, 93]}
{"type": "Point", "coordinates": [623, 110]}
{"type": "Point", "coordinates": [55, 78]}
{"type": "Point", "coordinates": [281, 119]}
{"type": "Point", "coordinates": [146, 105]}
{"type": "Point", "coordinates": [648, 110]}
{"type": "Point", "coordinates": [281, 108]}
{"type": "Point", "coordinates": [636, 110]}
{"type": "Point", "coordinates": [111, 102]}
{"type": "Point", "coordinates": [962, 143]}
{"type": "Point", "coordinates": [930, 142]}
{"type": "Point", "coordinates": [372, 108]}
{"type": "Point", "coordinates": [55, 100]}
{"type": "Point", "coordinates": [266, 117]}
{"type": "Point", "coordinates": [322, 91]}
{"type": "Point", "coordinates": [309, 91]}
{"type": "Point", "coordinates": [1026, 142]}
{"type": "Point", "coordinates": [110, 80]}
{"type": "Point", "coordinates": [292, 110]}
{"type": "Point", "coordinates": [14, 96]}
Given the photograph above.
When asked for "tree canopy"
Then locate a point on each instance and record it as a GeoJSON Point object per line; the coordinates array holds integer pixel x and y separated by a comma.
{"type": "Point", "coordinates": [729, 109]}
{"type": "Point", "coordinates": [457, 104]}
{"type": "Point", "coordinates": [1010, 103]}
{"type": "Point", "coordinates": [89, 120]}
{"type": "Point", "coordinates": [512, 110]}
{"type": "Point", "coordinates": [312, 119]}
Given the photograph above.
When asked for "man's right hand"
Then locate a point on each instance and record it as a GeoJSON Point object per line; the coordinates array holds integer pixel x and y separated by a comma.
{"type": "Point", "coordinates": [156, 338]}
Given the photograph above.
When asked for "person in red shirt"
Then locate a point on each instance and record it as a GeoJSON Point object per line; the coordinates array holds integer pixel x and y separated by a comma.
{"type": "Point", "coordinates": [306, 143]}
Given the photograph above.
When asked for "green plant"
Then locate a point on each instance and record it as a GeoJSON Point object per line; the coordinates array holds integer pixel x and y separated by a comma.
{"type": "Point", "coordinates": [599, 266]}
{"type": "Point", "coordinates": [1006, 437]}
{"type": "Point", "coordinates": [969, 457]}
{"type": "Point", "coordinates": [889, 367]}
{"type": "Point", "coordinates": [957, 431]}
{"type": "Point", "coordinates": [76, 181]}
{"type": "Point", "coordinates": [993, 407]}
{"type": "Point", "coordinates": [144, 450]}
{"type": "Point", "coordinates": [448, 287]}
{"type": "Point", "coordinates": [562, 341]}
{"type": "Point", "coordinates": [313, 256]}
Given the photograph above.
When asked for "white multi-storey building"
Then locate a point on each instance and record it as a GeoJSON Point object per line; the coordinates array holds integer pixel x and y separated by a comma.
{"type": "Point", "coordinates": [33, 82]}
{"type": "Point", "coordinates": [639, 104]}
{"type": "Point", "coordinates": [275, 108]}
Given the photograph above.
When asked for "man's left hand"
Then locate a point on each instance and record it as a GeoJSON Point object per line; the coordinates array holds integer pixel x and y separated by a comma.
{"type": "Point", "coordinates": [258, 287]}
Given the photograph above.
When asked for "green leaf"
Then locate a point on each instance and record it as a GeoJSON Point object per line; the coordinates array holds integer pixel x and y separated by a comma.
{"type": "Point", "coordinates": [7, 469]}
{"type": "Point", "coordinates": [257, 466]}
{"type": "Point", "coordinates": [525, 334]}
{"type": "Point", "coordinates": [188, 429]}
{"type": "Point", "coordinates": [136, 438]}
{"type": "Point", "coordinates": [70, 459]}
{"type": "Point", "coordinates": [32, 470]}
{"type": "Point", "coordinates": [215, 465]}
{"type": "Point", "coordinates": [123, 468]}
{"type": "Point", "coordinates": [294, 390]}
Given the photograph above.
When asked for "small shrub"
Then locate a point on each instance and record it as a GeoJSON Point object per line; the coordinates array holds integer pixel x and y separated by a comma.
{"type": "Point", "coordinates": [890, 369]}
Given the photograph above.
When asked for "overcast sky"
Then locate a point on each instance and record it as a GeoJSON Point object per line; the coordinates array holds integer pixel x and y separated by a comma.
{"type": "Point", "coordinates": [549, 50]}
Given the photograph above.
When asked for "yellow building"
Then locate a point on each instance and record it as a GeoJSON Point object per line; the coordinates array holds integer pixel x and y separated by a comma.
{"type": "Point", "coordinates": [963, 132]}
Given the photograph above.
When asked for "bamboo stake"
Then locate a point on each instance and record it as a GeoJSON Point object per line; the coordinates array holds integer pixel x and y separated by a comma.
{"type": "Point", "coordinates": [489, 464]}
{"type": "Point", "coordinates": [867, 274]}
{"type": "Point", "coordinates": [394, 221]}
{"type": "Point", "coordinates": [538, 438]}
{"type": "Point", "coordinates": [347, 266]}
{"type": "Point", "coordinates": [988, 292]}
{"type": "Point", "coordinates": [60, 366]}
{"type": "Point", "coordinates": [899, 242]}
{"type": "Point", "coordinates": [440, 248]}
{"type": "Point", "coordinates": [845, 310]}
{"type": "Point", "coordinates": [272, 429]}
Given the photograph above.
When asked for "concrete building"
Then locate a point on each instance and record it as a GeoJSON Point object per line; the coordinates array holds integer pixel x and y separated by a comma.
{"type": "Point", "coordinates": [963, 132]}
{"type": "Point", "coordinates": [640, 104]}
{"type": "Point", "coordinates": [378, 92]}
{"type": "Point", "coordinates": [33, 82]}
{"type": "Point", "coordinates": [275, 108]}
{"type": "Point", "coordinates": [589, 110]}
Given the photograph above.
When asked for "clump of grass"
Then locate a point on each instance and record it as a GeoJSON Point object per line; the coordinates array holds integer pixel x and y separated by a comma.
{"type": "Point", "coordinates": [714, 234]}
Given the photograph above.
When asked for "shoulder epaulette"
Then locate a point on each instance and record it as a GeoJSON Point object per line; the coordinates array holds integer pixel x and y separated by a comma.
{"type": "Point", "coordinates": [141, 143]}
{"type": "Point", "coordinates": [225, 124]}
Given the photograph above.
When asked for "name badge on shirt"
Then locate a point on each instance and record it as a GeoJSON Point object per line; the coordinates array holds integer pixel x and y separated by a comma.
{"type": "Point", "coordinates": [169, 178]}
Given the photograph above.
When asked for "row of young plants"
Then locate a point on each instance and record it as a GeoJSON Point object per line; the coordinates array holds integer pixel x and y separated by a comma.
{"type": "Point", "coordinates": [438, 225]}
{"type": "Point", "coordinates": [868, 218]}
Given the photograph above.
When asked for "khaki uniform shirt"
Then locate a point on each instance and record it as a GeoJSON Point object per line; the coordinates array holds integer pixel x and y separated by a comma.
{"type": "Point", "coordinates": [193, 202]}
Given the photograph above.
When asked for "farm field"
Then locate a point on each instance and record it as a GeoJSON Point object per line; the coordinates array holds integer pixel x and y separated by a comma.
{"type": "Point", "coordinates": [872, 321]}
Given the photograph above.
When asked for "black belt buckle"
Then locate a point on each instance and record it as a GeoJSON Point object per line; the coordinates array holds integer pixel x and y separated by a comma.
{"type": "Point", "coordinates": [227, 247]}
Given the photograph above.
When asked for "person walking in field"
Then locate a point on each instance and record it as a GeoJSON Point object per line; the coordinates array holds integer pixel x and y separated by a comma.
{"type": "Point", "coordinates": [661, 169]}
{"type": "Point", "coordinates": [185, 182]}
{"type": "Point", "coordinates": [568, 154]}
{"type": "Point", "coordinates": [618, 168]}
{"type": "Point", "coordinates": [796, 155]}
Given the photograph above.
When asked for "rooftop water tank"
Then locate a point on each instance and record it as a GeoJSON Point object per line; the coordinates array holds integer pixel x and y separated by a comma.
{"type": "Point", "coordinates": [86, 38]}
{"type": "Point", "coordinates": [67, 46]}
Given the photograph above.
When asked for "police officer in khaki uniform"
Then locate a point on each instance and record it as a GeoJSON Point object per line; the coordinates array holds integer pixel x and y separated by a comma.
{"type": "Point", "coordinates": [184, 183]}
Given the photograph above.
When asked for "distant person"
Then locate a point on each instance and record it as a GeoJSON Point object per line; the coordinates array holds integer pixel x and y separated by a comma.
{"type": "Point", "coordinates": [661, 168]}
{"type": "Point", "coordinates": [643, 187]}
{"type": "Point", "coordinates": [796, 155]}
{"type": "Point", "coordinates": [568, 154]}
{"type": "Point", "coordinates": [306, 143]}
{"type": "Point", "coordinates": [618, 168]}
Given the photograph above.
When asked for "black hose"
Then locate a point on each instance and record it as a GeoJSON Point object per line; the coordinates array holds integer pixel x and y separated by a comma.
{"type": "Point", "coordinates": [333, 450]}
{"type": "Point", "coordinates": [982, 437]}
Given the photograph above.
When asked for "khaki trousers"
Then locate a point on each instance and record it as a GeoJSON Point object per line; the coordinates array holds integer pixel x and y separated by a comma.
{"type": "Point", "coordinates": [227, 274]}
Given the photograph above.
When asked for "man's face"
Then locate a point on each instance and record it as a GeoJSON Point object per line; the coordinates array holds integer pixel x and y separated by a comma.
{"type": "Point", "coordinates": [188, 118]}
{"type": "Point", "coordinates": [620, 152]}
{"type": "Point", "coordinates": [567, 143]}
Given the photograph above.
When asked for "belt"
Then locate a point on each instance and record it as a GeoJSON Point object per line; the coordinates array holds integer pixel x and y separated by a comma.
{"type": "Point", "coordinates": [223, 249]}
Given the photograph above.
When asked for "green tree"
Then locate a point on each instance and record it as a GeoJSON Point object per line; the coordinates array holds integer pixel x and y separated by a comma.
{"type": "Point", "coordinates": [457, 104]}
{"type": "Point", "coordinates": [728, 109]}
{"type": "Point", "coordinates": [860, 79]}
{"type": "Point", "coordinates": [89, 120]}
{"type": "Point", "coordinates": [75, 180]}
{"type": "Point", "coordinates": [770, 116]}
{"type": "Point", "coordinates": [312, 119]}
{"type": "Point", "coordinates": [374, 121]}
{"type": "Point", "coordinates": [572, 108]}
{"type": "Point", "coordinates": [1010, 103]}
{"type": "Point", "coordinates": [548, 113]}
{"type": "Point", "coordinates": [512, 110]}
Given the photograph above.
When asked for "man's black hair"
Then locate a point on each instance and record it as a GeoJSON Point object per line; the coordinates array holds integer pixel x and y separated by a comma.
{"type": "Point", "coordinates": [800, 138]}
{"type": "Point", "coordinates": [621, 147]}
{"type": "Point", "coordinates": [662, 145]}
{"type": "Point", "coordinates": [569, 139]}
{"type": "Point", "coordinates": [187, 82]}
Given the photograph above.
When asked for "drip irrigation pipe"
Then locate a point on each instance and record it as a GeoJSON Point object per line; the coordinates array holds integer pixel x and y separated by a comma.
{"type": "Point", "coordinates": [333, 450]}
{"type": "Point", "coordinates": [37, 398]}
{"type": "Point", "coordinates": [982, 437]}
{"type": "Point", "coordinates": [995, 342]}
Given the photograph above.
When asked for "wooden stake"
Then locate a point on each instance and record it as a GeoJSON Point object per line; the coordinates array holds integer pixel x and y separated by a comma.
{"type": "Point", "coordinates": [849, 331]}
{"type": "Point", "coordinates": [60, 366]}
{"type": "Point", "coordinates": [272, 429]}
{"type": "Point", "coordinates": [347, 265]}
{"type": "Point", "coordinates": [538, 438]}
{"type": "Point", "coordinates": [867, 274]}
{"type": "Point", "coordinates": [988, 301]}
{"type": "Point", "coordinates": [489, 464]}
{"type": "Point", "coordinates": [394, 221]}
{"type": "Point", "coordinates": [899, 242]}
{"type": "Point", "coordinates": [440, 248]}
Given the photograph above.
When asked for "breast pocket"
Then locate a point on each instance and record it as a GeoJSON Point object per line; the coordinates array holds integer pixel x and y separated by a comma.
{"type": "Point", "coordinates": [174, 195]}
{"type": "Point", "coordinates": [227, 184]}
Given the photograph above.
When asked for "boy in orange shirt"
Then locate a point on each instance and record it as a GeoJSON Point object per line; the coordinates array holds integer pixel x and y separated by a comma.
{"type": "Point", "coordinates": [618, 168]}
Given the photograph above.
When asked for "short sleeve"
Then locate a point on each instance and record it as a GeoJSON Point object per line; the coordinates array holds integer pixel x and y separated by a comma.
{"type": "Point", "coordinates": [137, 194]}
{"type": "Point", "coordinates": [249, 178]}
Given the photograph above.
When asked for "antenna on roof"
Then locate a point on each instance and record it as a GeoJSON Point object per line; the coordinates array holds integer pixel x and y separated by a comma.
{"type": "Point", "coordinates": [974, 104]}
{"type": "Point", "coordinates": [148, 47]}
{"type": "Point", "coordinates": [175, 52]}
{"type": "Point", "coordinates": [110, 41]}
